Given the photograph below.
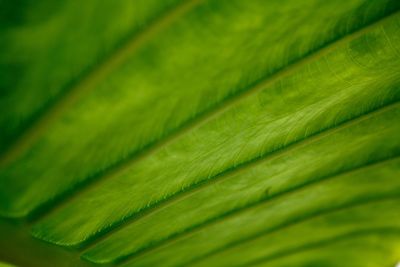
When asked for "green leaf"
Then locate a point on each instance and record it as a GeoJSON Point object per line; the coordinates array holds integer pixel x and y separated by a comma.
{"type": "Point", "coordinates": [200, 133]}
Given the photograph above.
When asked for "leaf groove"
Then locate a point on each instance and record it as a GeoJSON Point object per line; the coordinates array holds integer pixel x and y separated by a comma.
{"type": "Point", "coordinates": [197, 121]}
{"type": "Point", "coordinates": [91, 242]}
{"type": "Point", "coordinates": [297, 221]}
{"type": "Point", "coordinates": [167, 241]}
{"type": "Point", "coordinates": [326, 242]}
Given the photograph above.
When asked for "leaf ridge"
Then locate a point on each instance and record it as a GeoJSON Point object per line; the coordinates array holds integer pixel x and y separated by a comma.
{"type": "Point", "coordinates": [99, 236]}
{"type": "Point", "coordinates": [326, 242]}
{"type": "Point", "coordinates": [300, 220]}
{"type": "Point", "coordinates": [199, 120]}
{"type": "Point", "coordinates": [173, 238]}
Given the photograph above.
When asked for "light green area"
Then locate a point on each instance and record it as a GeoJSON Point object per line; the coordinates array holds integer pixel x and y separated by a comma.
{"type": "Point", "coordinates": [366, 250]}
{"type": "Point", "coordinates": [3, 264]}
{"type": "Point", "coordinates": [365, 140]}
{"type": "Point", "coordinates": [369, 183]}
{"type": "Point", "coordinates": [213, 51]}
{"type": "Point", "coordinates": [280, 114]}
{"type": "Point", "coordinates": [314, 232]}
{"type": "Point", "coordinates": [200, 133]}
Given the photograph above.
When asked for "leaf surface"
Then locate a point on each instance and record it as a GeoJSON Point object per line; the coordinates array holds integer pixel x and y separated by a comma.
{"type": "Point", "coordinates": [200, 133]}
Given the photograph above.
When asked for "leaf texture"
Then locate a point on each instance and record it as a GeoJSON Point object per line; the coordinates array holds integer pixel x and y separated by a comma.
{"type": "Point", "coordinates": [200, 133]}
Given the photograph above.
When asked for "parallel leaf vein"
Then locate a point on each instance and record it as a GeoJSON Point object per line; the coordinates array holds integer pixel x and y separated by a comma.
{"type": "Point", "coordinates": [203, 117]}
{"type": "Point", "coordinates": [186, 192]}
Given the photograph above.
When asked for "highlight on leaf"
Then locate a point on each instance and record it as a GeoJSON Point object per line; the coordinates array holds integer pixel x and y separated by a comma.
{"type": "Point", "coordinates": [200, 133]}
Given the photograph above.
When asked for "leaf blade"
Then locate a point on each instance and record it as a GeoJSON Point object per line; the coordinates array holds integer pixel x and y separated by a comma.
{"type": "Point", "coordinates": [250, 129]}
